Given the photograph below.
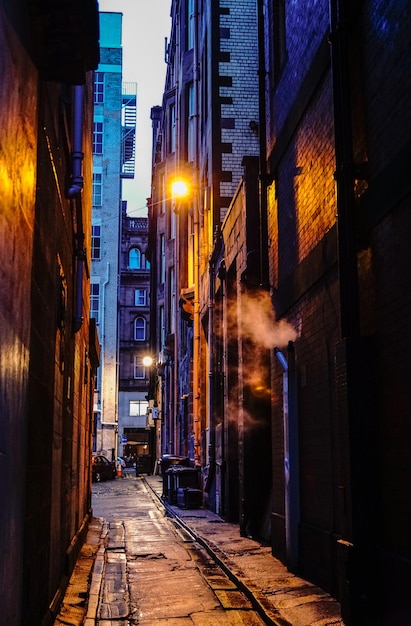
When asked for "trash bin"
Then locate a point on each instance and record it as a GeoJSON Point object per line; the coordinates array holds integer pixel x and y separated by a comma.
{"type": "Point", "coordinates": [189, 498]}
{"type": "Point", "coordinates": [167, 461]}
{"type": "Point", "coordinates": [180, 478]}
{"type": "Point", "coordinates": [144, 464]}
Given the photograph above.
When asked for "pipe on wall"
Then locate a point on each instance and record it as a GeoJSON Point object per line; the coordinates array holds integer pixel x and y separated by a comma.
{"type": "Point", "coordinates": [77, 154]}
{"type": "Point", "coordinates": [74, 191]}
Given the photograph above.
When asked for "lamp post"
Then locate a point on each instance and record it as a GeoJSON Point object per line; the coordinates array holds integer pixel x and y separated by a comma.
{"type": "Point", "coordinates": [181, 189]}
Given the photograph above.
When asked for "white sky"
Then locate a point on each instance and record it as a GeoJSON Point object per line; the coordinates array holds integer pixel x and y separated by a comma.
{"type": "Point", "coordinates": [146, 24]}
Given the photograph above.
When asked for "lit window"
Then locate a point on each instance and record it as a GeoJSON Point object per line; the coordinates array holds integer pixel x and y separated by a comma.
{"type": "Point", "coordinates": [138, 407]}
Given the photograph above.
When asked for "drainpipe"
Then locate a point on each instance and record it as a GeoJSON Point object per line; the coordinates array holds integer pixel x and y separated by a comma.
{"type": "Point", "coordinates": [352, 566]}
{"type": "Point", "coordinates": [197, 268]}
{"type": "Point", "coordinates": [74, 191]}
{"type": "Point", "coordinates": [211, 378]}
{"type": "Point", "coordinates": [264, 280]}
{"type": "Point", "coordinates": [103, 330]}
{"type": "Point", "coordinates": [80, 257]}
{"type": "Point", "coordinates": [345, 172]}
{"type": "Point", "coordinates": [77, 155]}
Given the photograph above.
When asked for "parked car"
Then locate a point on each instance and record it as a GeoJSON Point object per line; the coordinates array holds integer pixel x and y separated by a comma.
{"type": "Point", "coordinates": [102, 468]}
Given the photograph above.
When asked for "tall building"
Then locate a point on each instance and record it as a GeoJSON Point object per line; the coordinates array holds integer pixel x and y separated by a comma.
{"type": "Point", "coordinates": [48, 346]}
{"type": "Point", "coordinates": [113, 160]}
{"type": "Point", "coordinates": [136, 425]}
{"type": "Point", "coordinates": [206, 127]}
{"type": "Point", "coordinates": [281, 325]}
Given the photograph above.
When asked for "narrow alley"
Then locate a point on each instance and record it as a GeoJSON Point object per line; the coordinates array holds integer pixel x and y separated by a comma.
{"type": "Point", "coordinates": [145, 562]}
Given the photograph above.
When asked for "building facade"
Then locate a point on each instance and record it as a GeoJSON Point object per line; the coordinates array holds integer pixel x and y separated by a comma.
{"type": "Point", "coordinates": [136, 426]}
{"type": "Point", "coordinates": [329, 156]}
{"type": "Point", "coordinates": [49, 348]}
{"type": "Point", "coordinates": [113, 159]}
{"type": "Point", "coordinates": [281, 323]}
{"type": "Point", "coordinates": [201, 134]}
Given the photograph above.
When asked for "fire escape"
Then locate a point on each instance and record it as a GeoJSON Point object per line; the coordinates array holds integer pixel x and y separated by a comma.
{"type": "Point", "coordinates": [128, 122]}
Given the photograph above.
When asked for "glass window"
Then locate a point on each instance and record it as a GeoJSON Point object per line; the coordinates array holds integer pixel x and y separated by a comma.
{"type": "Point", "coordinates": [96, 242]}
{"type": "Point", "coordinates": [139, 369]}
{"type": "Point", "coordinates": [98, 87]}
{"type": "Point", "coordinates": [97, 189]}
{"type": "Point", "coordinates": [172, 129]}
{"type": "Point", "coordinates": [139, 329]}
{"type": "Point", "coordinates": [138, 407]}
{"type": "Point", "coordinates": [140, 297]}
{"type": "Point", "coordinates": [279, 43]}
{"type": "Point", "coordinates": [134, 258]}
{"type": "Point", "coordinates": [190, 123]}
{"type": "Point", "coordinates": [95, 301]}
{"type": "Point", "coordinates": [162, 328]}
{"type": "Point", "coordinates": [98, 138]}
{"type": "Point", "coordinates": [172, 298]}
{"type": "Point", "coordinates": [190, 24]}
{"type": "Point", "coordinates": [162, 260]}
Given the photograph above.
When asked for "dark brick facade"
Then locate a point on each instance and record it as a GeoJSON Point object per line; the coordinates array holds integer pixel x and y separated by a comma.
{"type": "Point", "coordinates": [49, 348]}
{"type": "Point", "coordinates": [352, 399]}
{"type": "Point", "coordinates": [332, 397]}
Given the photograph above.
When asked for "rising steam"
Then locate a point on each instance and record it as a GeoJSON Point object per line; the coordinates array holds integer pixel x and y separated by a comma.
{"type": "Point", "coordinates": [258, 323]}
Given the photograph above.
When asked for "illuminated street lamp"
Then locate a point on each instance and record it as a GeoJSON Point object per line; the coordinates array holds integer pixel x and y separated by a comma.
{"type": "Point", "coordinates": [147, 361]}
{"type": "Point", "coordinates": [181, 189]}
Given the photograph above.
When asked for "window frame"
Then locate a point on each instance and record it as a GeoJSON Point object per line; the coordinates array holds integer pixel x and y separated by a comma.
{"type": "Point", "coordinates": [138, 368]}
{"type": "Point", "coordinates": [95, 301]}
{"type": "Point", "coordinates": [140, 297]}
{"type": "Point", "coordinates": [137, 265]}
{"type": "Point", "coordinates": [99, 87]}
{"type": "Point", "coordinates": [97, 189]}
{"type": "Point", "coordinates": [142, 328]}
{"type": "Point", "coordinates": [95, 242]}
{"type": "Point", "coordinates": [98, 137]}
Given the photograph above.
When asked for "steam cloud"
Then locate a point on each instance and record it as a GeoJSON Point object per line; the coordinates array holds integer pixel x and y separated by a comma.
{"type": "Point", "coordinates": [258, 323]}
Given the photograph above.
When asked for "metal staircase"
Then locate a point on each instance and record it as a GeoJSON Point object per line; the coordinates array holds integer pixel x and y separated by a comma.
{"type": "Point", "coordinates": [128, 120]}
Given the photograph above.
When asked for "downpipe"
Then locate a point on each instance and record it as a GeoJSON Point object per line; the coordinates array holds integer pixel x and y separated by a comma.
{"type": "Point", "coordinates": [74, 191]}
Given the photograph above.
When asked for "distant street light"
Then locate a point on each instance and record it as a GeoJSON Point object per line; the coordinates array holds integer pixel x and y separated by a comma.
{"type": "Point", "coordinates": [147, 361]}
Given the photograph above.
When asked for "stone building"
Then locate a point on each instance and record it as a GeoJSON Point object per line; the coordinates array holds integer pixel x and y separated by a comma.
{"type": "Point", "coordinates": [48, 346]}
{"type": "Point", "coordinates": [136, 425]}
{"type": "Point", "coordinates": [113, 160]}
{"type": "Point", "coordinates": [281, 328]}
{"type": "Point", "coordinates": [205, 126]}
